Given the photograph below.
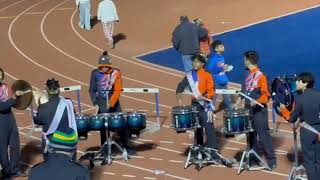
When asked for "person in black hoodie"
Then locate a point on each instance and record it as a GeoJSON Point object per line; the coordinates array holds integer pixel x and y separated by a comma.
{"type": "Point", "coordinates": [185, 39]}
{"type": "Point", "coordinates": [9, 134]}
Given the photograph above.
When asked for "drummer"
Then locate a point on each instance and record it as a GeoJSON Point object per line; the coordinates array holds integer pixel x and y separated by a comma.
{"type": "Point", "coordinates": [9, 135]}
{"type": "Point", "coordinates": [58, 130]}
{"type": "Point", "coordinates": [201, 84]}
{"type": "Point", "coordinates": [105, 89]}
{"type": "Point", "coordinates": [256, 87]}
{"type": "Point", "coordinates": [306, 107]}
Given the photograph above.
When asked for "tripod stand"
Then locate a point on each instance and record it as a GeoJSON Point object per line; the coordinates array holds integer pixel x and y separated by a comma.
{"type": "Point", "coordinates": [201, 156]}
{"type": "Point", "coordinates": [104, 153]}
{"type": "Point", "coordinates": [296, 169]}
{"type": "Point", "coordinates": [246, 156]}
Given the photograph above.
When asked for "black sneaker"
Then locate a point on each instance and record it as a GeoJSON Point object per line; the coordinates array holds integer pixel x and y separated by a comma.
{"type": "Point", "coordinates": [4, 175]}
{"type": "Point", "coordinates": [272, 166]}
{"type": "Point", "coordinates": [227, 162]}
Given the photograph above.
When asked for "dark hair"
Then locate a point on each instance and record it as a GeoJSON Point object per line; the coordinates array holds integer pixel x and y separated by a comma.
{"type": "Point", "coordinates": [199, 57]}
{"type": "Point", "coordinates": [2, 71]}
{"type": "Point", "coordinates": [184, 18]}
{"type": "Point", "coordinates": [252, 57]}
{"type": "Point", "coordinates": [308, 78]}
{"type": "Point", "coordinates": [53, 85]}
{"type": "Point", "coordinates": [216, 43]}
{"type": "Point", "coordinates": [105, 53]}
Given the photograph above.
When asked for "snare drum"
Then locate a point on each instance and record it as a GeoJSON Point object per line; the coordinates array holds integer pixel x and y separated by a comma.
{"type": "Point", "coordinates": [184, 118]}
{"type": "Point", "coordinates": [116, 121]}
{"type": "Point", "coordinates": [236, 121]}
{"type": "Point", "coordinates": [83, 122]}
{"type": "Point", "coordinates": [136, 121]}
{"type": "Point", "coordinates": [97, 123]}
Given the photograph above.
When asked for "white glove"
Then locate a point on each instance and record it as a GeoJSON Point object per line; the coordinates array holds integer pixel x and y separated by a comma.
{"type": "Point", "coordinates": [211, 116]}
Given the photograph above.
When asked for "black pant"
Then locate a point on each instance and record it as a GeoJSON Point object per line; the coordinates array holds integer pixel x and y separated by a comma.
{"type": "Point", "coordinates": [311, 152]}
{"type": "Point", "coordinates": [207, 126]}
{"type": "Point", "coordinates": [124, 134]}
{"type": "Point", "coordinates": [261, 129]}
{"type": "Point", "coordinates": [9, 137]}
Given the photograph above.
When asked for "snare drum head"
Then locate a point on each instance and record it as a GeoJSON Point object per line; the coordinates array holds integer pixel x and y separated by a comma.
{"type": "Point", "coordinates": [182, 109]}
{"type": "Point", "coordinates": [236, 112]}
{"type": "Point", "coordinates": [281, 92]}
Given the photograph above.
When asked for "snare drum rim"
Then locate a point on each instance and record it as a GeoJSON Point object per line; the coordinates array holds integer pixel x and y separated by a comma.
{"type": "Point", "coordinates": [237, 113]}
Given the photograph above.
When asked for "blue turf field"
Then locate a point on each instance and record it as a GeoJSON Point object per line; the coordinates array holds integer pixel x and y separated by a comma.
{"type": "Point", "coordinates": [287, 45]}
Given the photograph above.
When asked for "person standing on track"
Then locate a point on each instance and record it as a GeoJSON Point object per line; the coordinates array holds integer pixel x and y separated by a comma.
{"type": "Point", "coordinates": [256, 86]}
{"type": "Point", "coordinates": [205, 42]}
{"type": "Point", "coordinates": [307, 109]}
{"type": "Point", "coordinates": [9, 135]}
{"type": "Point", "coordinates": [217, 67]}
{"type": "Point", "coordinates": [105, 90]}
{"type": "Point", "coordinates": [185, 39]}
{"type": "Point", "coordinates": [58, 122]}
{"type": "Point", "coordinates": [107, 14]}
{"type": "Point", "coordinates": [84, 13]}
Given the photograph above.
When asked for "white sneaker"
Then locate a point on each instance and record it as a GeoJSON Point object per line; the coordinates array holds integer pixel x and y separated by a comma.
{"type": "Point", "coordinates": [81, 25]}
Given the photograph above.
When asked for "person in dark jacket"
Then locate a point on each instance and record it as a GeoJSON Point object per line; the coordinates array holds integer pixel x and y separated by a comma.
{"type": "Point", "coordinates": [59, 165]}
{"type": "Point", "coordinates": [185, 39]}
{"type": "Point", "coordinates": [307, 108]}
{"type": "Point", "coordinates": [56, 129]}
{"type": "Point", "coordinates": [9, 134]}
{"type": "Point", "coordinates": [105, 89]}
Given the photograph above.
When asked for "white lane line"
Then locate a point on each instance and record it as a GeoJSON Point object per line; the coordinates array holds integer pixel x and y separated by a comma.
{"type": "Point", "coordinates": [88, 110]}
{"type": "Point", "coordinates": [149, 178]}
{"type": "Point", "coordinates": [166, 142]}
{"type": "Point", "coordinates": [109, 173]}
{"type": "Point", "coordinates": [176, 161]}
{"type": "Point", "coordinates": [156, 159]}
{"type": "Point", "coordinates": [128, 176]}
{"type": "Point", "coordinates": [138, 157]}
{"type": "Point", "coordinates": [11, 5]}
{"type": "Point", "coordinates": [145, 140]}
{"type": "Point", "coordinates": [34, 13]}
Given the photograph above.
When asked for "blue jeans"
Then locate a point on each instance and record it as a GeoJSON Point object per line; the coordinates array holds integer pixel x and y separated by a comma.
{"type": "Point", "coordinates": [187, 62]}
{"type": "Point", "coordinates": [84, 13]}
{"type": "Point", "coordinates": [226, 97]}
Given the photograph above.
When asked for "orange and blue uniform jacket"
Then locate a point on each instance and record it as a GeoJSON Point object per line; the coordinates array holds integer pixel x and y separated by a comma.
{"type": "Point", "coordinates": [105, 85]}
{"type": "Point", "coordinates": [205, 83]}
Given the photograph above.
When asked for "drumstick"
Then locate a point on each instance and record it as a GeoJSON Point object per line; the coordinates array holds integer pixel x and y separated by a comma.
{"type": "Point", "coordinates": [242, 94]}
{"type": "Point", "coordinates": [308, 127]}
{"type": "Point", "coordinates": [25, 92]}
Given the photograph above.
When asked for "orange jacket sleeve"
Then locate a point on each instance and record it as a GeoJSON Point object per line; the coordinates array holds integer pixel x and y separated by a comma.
{"type": "Point", "coordinates": [210, 87]}
{"type": "Point", "coordinates": [116, 90]}
{"type": "Point", "coordinates": [285, 113]}
{"type": "Point", "coordinates": [263, 85]}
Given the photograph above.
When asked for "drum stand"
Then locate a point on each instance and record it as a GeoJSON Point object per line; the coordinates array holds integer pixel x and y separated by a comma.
{"type": "Point", "coordinates": [105, 152]}
{"type": "Point", "coordinates": [246, 156]}
{"type": "Point", "coordinates": [296, 169]}
{"type": "Point", "coordinates": [201, 156]}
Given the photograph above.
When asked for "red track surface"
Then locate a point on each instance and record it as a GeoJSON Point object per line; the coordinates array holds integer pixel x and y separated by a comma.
{"type": "Point", "coordinates": [41, 39]}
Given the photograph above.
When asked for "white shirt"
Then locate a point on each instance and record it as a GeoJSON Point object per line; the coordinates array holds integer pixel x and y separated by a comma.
{"type": "Point", "coordinates": [107, 11]}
